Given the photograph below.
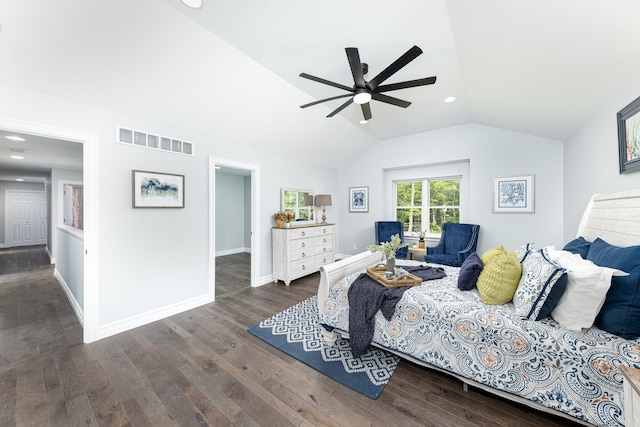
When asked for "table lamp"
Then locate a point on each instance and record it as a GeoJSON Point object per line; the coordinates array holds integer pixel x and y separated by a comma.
{"type": "Point", "coordinates": [323, 200]}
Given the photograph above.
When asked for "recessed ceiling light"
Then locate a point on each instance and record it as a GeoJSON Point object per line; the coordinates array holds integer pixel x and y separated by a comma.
{"type": "Point", "coordinates": [15, 138]}
{"type": "Point", "coordinates": [19, 179]}
{"type": "Point", "coordinates": [449, 99]}
{"type": "Point", "coordinates": [193, 4]}
{"type": "Point", "coordinates": [17, 157]}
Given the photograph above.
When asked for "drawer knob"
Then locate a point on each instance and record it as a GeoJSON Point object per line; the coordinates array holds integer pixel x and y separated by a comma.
{"type": "Point", "coordinates": [303, 244]}
{"type": "Point", "coordinates": [324, 240]}
{"type": "Point", "coordinates": [324, 249]}
{"type": "Point", "coordinates": [304, 267]}
{"type": "Point", "coordinates": [303, 255]}
{"type": "Point", "coordinates": [304, 234]}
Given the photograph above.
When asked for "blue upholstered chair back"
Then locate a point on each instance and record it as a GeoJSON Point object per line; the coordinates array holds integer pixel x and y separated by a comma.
{"type": "Point", "coordinates": [386, 229]}
{"type": "Point", "coordinates": [457, 242]}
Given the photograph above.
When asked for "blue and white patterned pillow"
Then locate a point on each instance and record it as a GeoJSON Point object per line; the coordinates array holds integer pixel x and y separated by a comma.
{"type": "Point", "coordinates": [541, 285]}
{"type": "Point", "coordinates": [523, 251]}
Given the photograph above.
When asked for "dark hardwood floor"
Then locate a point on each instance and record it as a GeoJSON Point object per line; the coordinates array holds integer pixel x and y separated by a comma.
{"type": "Point", "coordinates": [200, 367]}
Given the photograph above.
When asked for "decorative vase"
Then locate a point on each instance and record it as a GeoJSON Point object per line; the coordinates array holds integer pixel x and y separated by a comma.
{"type": "Point", "coordinates": [391, 265]}
{"type": "Point", "coordinates": [421, 243]}
{"type": "Point", "coordinates": [280, 222]}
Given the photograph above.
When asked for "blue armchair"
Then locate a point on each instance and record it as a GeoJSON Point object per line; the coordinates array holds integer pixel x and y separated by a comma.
{"type": "Point", "coordinates": [457, 242]}
{"type": "Point", "coordinates": [386, 229]}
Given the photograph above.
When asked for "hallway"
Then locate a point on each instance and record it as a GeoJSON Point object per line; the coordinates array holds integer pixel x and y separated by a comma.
{"type": "Point", "coordinates": [35, 314]}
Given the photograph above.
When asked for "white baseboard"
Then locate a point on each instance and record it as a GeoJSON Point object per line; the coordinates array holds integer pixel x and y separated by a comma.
{"type": "Point", "coordinates": [264, 280]}
{"type": "Point", "coordinates": [52, 260]}
{"type": "Point", "coordinates": [123, 325]}
{"type": "Point", "coordinates": [233, 251]}
{"type": "Point", "coordinates": [74, 304]}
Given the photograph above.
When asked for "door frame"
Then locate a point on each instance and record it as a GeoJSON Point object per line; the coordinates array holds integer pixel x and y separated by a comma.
{"type": "Point", "coordinates": [255, 218]}
{"type": "Point", "coordinates": [89, 141]}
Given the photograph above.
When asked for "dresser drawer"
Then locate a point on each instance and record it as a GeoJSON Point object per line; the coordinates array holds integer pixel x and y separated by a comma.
{"type": "Point", "coordinates": [302, 267]}
{"type": "Point", "coordinates": [323, 259]}
{"type": "Point", "coordinates": [319, 231]}
{"type": "Point", "coordinates": [300, 233]}
{"type": "Point", "coordinates": [302, 244]}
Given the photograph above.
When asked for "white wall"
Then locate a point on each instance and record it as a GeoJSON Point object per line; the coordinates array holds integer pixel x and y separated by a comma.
{"type": "Point", "coordinates": [591, 162]}
{"type": "Point", "coordinates": [247, 212]}
{"type": "Point", "coordinates": [491, 153]}
{"type": "Point", "coordinates": [230, 214]}
{"type": "Point", "coordinates": [56, 202]}
{"type": "Point", "coordinates": [151, 260]}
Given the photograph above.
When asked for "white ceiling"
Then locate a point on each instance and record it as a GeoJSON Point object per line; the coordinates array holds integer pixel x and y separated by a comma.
{"type": "Point", "coordinates": [231, 69]}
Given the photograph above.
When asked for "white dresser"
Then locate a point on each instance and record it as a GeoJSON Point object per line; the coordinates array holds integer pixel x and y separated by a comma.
{"type": "Point", "coordinates": [298, 251]}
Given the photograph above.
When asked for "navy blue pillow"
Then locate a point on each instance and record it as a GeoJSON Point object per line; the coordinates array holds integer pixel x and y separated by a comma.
{"type": "Point", "coordinates": [578, 246]}
{"type": "Point", "coordinates": [469, 272]}
{"type": "Point", "coordinates": [553, 297]}
{"type": "Point", "coordinates": [620, 314]}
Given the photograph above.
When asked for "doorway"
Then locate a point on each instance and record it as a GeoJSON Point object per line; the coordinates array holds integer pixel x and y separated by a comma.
{"type": "Point", "coordinates": [90, 299]}
{"type": "Point", "coordinates": [252, 172]}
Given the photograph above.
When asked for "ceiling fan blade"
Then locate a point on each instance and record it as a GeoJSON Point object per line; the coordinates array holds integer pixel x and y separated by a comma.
{"type": "Point", "coordinates": [390, 100]}
{"type": "Point", "coordinates": [408, 56]}
{"type": "Point", "coordinates": [356, 66]}
{"type": "Point", "coordinates": [366, 111]}
{"type": "Point", "coordinates": [407, 84]}
{"type": "Point", "coordinates": [326, 99]}
{"type": "Point", "coordinates": [340, 108]}
{"type": "Point", "coordinates": [326, 82]}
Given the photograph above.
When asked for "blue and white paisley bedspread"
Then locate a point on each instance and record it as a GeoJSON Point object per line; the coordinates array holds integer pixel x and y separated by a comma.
{"type": "Point", "coordinates": [572, 372]}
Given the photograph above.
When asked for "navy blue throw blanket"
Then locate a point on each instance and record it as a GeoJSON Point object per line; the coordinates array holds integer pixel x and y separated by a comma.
{"type": "Point", "coordinates": [366, 297]}
{"type": "Point", "coordinates": [425, 272]}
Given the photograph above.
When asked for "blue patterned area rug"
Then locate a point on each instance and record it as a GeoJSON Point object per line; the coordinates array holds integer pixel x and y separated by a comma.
{"type": "Point", "coordinates": [296, 331]}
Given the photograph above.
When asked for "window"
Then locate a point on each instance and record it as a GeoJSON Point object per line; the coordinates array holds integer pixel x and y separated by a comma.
{"type": "Point", "coordinates": [426, 204]}
{"type": "Point", "coordinates": [294, 202]}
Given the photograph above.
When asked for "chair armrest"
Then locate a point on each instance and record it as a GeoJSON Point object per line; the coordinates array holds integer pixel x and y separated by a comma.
{"type": "Point", "coordinates": [462, 255]}
{"type": "Point", "coordinates": [438, 249]}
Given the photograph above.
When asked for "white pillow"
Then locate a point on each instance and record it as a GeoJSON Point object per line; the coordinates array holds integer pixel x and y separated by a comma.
{"type": "Point", "coordinates": [587, 287]}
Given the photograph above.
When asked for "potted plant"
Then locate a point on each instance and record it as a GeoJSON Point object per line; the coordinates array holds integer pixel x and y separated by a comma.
{"type": "Point", "coordinates": [389, 249]}
{"type": "Point", "coordinates": [421, 235]}
{"type": "Point", "coordinates": [280, 218]}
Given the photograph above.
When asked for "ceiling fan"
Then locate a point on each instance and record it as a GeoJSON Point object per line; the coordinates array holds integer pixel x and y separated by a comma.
{"type": "Point", "coordinates": [363, 91]}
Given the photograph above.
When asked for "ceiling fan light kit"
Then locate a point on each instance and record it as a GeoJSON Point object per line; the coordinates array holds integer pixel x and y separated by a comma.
{"type": "Point", "coordinates": [364, 91]}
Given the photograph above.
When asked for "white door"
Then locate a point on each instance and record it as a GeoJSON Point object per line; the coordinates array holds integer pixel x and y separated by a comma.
{"type": "Point", "coordinates": [27, 218]}
{"type": "Point", "coordinates": [40, 219]}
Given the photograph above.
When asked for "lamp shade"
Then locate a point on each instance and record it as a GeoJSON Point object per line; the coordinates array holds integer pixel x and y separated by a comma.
{"type": "Point", "coordinates": [308, 200]}
{"type": "Point", "coordinates": [323, 200]}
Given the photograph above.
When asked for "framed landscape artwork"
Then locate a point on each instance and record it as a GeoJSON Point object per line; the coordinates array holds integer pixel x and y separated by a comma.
{"type": "Point", "coordinates": [359, 199]}
{"type": "Point", "coordinates": [513, 194]}
{"type": "Point", "coordinates": [629, 137]}
{"type": "Point", "coordinates": [157, 190]}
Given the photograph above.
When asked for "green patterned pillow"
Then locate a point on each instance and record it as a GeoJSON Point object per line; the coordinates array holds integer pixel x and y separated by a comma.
{"type": "Point", "coordinates": [490, 254]}
{"type": "Point", "coordinates": [499, 279]}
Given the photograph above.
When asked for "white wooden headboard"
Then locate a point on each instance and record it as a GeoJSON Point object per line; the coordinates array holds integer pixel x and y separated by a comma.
{"type": "Point", "coordinates": [613, 217]}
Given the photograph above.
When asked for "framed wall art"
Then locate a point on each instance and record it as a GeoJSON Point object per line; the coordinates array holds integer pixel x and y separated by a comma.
{"type": "Point", "coordinates": [359, 199]}
{"type": "Point", "coordinates": [157, 190]}
{"type": "Point", "coordinates": [513, 194]}
{"type": "Point", "coordinates": [629, 137]}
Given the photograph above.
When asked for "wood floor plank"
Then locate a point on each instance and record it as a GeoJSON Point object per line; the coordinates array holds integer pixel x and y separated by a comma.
{"type": "Point", "coordinates": [201, 367]}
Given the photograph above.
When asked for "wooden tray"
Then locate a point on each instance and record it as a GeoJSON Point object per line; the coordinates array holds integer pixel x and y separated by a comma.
{"type": "Point", "coordinates": [377, 273]}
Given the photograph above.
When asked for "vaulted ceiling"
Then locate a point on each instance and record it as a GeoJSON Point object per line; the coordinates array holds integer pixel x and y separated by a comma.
{"type": "Point", "coordinates": [231, 69]}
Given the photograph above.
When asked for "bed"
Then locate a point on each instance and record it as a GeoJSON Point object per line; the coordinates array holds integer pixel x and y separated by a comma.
{"type": "Point", "coordinates": [539, 362]}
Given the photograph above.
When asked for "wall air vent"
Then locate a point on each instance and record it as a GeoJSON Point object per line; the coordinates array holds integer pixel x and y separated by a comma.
{"type": "Point", "coordinates": [154, 142]}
